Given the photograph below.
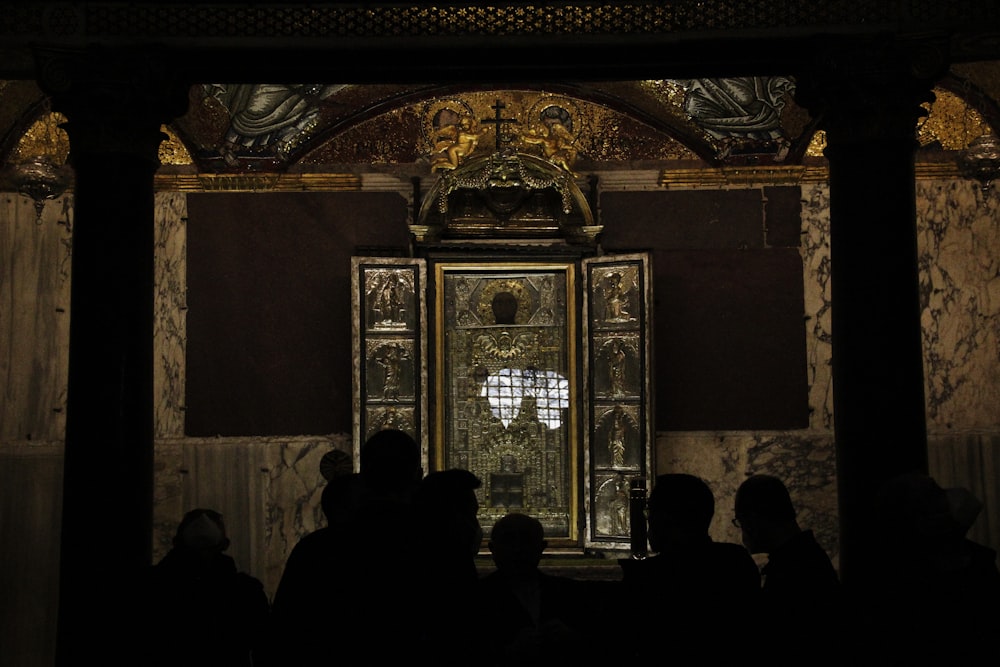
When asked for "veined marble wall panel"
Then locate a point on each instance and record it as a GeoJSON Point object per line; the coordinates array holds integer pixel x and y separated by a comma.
{"type": "Point", "coordinates": [815, 249]}
{"type": "Point", "coordinates": [292, 502]}
{"type": "Point", "coordinates": [170, 304]}
{"type": "Point", "coordinates": [34, 317]}
{"type": "Point", "coordinates": [267, 489]}
{"type": "Point", "coordinates": [808, 466]}
{"type": "Point", "coordinates": [959, 253]}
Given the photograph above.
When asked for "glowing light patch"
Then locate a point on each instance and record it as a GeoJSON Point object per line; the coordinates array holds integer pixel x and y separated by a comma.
{"type": "Point", "coordinates": [506, 389]}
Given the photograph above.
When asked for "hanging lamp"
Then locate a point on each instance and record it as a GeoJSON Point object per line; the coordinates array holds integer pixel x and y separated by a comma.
{"type": "Point", "coordinates": [38, 168]}
{"type": "Point", "coordinates": [981, 160]}
{"type": "Point", "coordinates": [41, 179]}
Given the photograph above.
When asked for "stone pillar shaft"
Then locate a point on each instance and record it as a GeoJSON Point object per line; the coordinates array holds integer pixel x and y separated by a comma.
{"type": "Point", "coordinates": [868, 101]}
{"type": "Point", "coordinates": [115, 109]}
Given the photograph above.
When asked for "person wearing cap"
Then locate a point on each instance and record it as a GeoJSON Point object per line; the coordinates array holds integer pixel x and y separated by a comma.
{"type": "Point", "coordinates": [935, 594]}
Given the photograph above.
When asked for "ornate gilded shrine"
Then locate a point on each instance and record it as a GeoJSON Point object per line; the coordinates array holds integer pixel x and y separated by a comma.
{"type": "Point", "coordinates": [506, 387]}
{"type": "Point", "coordinates": [534, 373]}
{"type": "Point", "coordinates": [540, 381]}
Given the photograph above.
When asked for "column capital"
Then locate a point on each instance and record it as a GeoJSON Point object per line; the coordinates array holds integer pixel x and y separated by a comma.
{"type": "Point", "coordinates": [115, 100]}
{"type": "Point", "coordinates": [870, 90]}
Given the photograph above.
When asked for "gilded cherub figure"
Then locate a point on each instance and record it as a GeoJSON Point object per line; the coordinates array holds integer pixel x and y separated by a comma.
{"type": "Point", "coordinates": [454, 142]}
{"type": "Point", "coordinates": [552, 133]}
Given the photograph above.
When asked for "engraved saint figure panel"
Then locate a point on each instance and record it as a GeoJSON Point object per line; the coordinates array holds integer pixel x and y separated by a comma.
{"type": "Point", "coordinates": [618, 371]}
{"type": "Point", "coordinates": [618, 434]}
{"type": "Point", "coordinates": [390, 298]}
{"type": "Point", "coordinates": [389, 324]}
{"type": "Point", "coordinates": [507, 388]}
{"type": "Point", "coordinates": [390, 372]}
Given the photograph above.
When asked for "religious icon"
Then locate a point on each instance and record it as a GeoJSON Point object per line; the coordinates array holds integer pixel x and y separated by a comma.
{"type": "Point", "coordinates": [388, 302]}
{"type": "Point", "coordinates": [616, 366]}
{"type": "Point", "coordinates": [741, 113]}
{"type": "Point", "coordinates": [616, 289]}
{"type": "Point", "coordinates": [616, 437]}
{"type": "Point", "coordinates": [613, 506]}
{"type": "Point", "coordinates": [506, 401]}
{"type": "Point", "coordinates": [389, 358]}
{"type": "Point", "coordinates": [388, 295]}
{"type": "Point", "coordinates": [268, 119]}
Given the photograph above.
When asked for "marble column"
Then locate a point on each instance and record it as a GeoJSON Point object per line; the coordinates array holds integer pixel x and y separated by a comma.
{"type": "Point", "coordinates": [115, 104]}
{"type": "Point", "coordinates": [867, 96]}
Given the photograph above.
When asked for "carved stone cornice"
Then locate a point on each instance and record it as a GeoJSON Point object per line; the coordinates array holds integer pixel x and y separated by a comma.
{"type": "Point", "coordinates": [776, 175]}
{"type": "Point", "coordinates": [270, 182]}
{"type": "Point", "coordinates": [611, 181]}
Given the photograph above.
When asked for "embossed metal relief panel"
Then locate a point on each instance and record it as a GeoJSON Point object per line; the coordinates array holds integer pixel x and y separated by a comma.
{"type": "Point", "coordinates": [506, 388]}
{"type": "Point", "coordinates": [617, 359]}
{"type": "Point", "coordinates": [390, 359]}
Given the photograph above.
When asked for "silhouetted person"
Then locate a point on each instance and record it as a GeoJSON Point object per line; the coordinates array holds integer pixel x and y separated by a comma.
{"type": "Point", "coordinates": [935, 596]}
{"type": "Point", "coordinates": [354, 571]}
{"type": "Point", "coordinates": [693, 594]}
{"type": "Point", "coordinates": [801, 588]}
{"type": "Point", "coordinates": [194, 608]}
{"type": "Point", "coordinates": [530, 617]}
{"type": "Point", "coordinates": [310, 585]}
{"type": "Point", "coordinates": [385, 580]}
{"type": "Point", "coordinates": [446, 540]}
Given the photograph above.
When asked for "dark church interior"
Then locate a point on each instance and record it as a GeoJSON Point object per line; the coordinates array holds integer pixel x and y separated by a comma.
{"type": "Point", "coordinates": [570, 247]}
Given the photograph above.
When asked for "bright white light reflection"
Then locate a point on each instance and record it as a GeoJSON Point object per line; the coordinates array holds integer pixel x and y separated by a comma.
{"type": "Point", "coordinates": [506, 388]}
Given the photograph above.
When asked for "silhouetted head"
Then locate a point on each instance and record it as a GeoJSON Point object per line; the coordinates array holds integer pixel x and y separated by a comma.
{"type": "Point", "coordinates": [202, 531]}
{"type": "Point", "coordinates": [517, 542]}
{"type": "Point", "coordinates": [341, 497]}
{"type": "Point", "coordinates": [390, 462]}
{"type": "Point", "coordinates": [449, 509]}
{"type": "Point", "coordinates": [915, 512]}
{"type": "Point", "coordinates": [764, 512]}
{"type": "Point", "coordinates": [680, 508]}
{"type": "Point", "coordinates": [451, 491]}
{"type": "Point", "coordinates": [965, 506]}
